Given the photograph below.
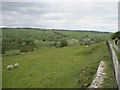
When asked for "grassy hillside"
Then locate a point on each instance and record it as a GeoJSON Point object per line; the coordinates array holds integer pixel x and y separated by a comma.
{"type": "Point", "coordinates": [68, 67]}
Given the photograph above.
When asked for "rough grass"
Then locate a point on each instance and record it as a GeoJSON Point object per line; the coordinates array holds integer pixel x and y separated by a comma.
{"type": "Point", "coordinates": [54, 68]}
{"type": "Point", "coordinates": [112, 41]}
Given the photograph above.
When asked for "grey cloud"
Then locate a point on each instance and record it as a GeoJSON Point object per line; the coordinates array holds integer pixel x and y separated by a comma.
{"type": "Point", "coordinates": [24, 8]}
{"type": "Point", "coordinates": [69, 15]}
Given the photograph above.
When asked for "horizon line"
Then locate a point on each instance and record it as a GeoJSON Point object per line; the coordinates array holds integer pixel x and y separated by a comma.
{"type": "Point", "coordinates": [94, 30]}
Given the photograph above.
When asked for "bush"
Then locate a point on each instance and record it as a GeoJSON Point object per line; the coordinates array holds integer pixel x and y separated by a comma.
{"type": "Point", "coordinates": [55, 43]}
{"type": "Point", "coordinates": [63, 43]}
{"type": "Point", "coordinates": [27, 49]}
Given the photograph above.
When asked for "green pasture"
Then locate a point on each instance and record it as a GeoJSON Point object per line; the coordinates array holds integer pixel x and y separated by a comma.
{"type": "Point", "coordinates": [56, 67]}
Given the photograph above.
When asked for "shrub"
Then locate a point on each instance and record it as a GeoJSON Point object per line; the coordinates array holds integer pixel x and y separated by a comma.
{"type": "Point", "coordinates": [2, 49]}
{"type": "Point", "coordinates": [55, 43]}
{"type": "Point", "coordinates": [63, 43]}
{"type": "Point", "coordinates": [27, 49]}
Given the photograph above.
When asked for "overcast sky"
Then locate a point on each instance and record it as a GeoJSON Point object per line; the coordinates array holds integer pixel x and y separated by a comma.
{"type": "Point", "coordinates": [101, 16]}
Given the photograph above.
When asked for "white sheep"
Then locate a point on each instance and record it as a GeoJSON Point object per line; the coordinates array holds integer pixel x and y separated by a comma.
{"type": "Point", "coordinates": [16, 65]}
{"type": "Point", "coordinates": [9, 67]}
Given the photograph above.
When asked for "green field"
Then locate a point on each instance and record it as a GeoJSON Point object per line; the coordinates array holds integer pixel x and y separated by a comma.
{"type": "Point", "coordinates": [52, 66]}
{"type": "Point", "coordinates": [49, 35]}
{"type": "Point", "coordinates": [56, 67]}
{"type": "Point", "coordinates": [89, 35]}
{"type": "Point", "coordinates": [15, 38]}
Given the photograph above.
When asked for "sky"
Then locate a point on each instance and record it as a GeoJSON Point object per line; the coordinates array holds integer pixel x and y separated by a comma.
{"type": "Point", "coordinates": [59, 14]}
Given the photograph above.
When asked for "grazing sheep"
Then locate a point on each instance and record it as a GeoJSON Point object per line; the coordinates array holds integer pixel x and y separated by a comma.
{"type": "Point", "coordinates": [16, 65]}
{"type": "Point", "coordinates": [9, 67]}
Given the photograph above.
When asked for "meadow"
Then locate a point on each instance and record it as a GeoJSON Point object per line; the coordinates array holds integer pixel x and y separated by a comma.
{"type": "Point", "coordinates": [49, 65]}
{"type": "Point", "coordinates": [15, 38]}
{"type": "Point", "coordinates": [67, 67]}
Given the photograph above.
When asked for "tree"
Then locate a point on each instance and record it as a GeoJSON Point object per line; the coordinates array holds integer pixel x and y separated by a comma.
{"type": "Point", "coordinates": [86, 35]}
{"type": "Point", "coordinates": [116, 35]}
{"type": "Point", "coordinates": [15, 43]}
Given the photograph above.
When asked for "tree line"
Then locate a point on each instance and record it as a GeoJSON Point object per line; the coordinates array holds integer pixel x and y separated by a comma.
{"type": "Point", "coordinates": [16, 43]}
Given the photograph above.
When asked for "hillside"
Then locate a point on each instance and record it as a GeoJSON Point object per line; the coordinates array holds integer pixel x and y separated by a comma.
{"type": "Point", "coordinates": [68, 67]}
{"type": "Point", "coordinates": [41, 34]}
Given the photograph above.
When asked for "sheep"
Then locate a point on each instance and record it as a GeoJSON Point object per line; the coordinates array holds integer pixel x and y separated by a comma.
{"type": "Point", "coordinates": [9, 67]}
{"type": "Point", "coordinates": [16, 65]}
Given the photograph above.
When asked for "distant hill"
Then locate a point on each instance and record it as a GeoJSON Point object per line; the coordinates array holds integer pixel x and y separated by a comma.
{"type": "Point", "coordinates": [53, 34]}
{"type": "Point", "coordinates": [60, 30]}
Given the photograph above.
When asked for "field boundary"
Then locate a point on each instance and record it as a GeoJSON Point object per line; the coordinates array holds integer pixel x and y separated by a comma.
{"type": "Point", "coordinates": [11, 54]}
{"type": "Point", "coordinates": [100, 76]}
{"type": "Point", "coordinates": [115, 66]}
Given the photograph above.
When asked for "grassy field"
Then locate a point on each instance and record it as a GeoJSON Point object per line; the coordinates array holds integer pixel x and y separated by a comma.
{"type": "Point", "coordinates": [68, 67]}
{"type": "Point", "coordinates": [45, 34]}
{"type": "Point", "coordinates": [88, 35]}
